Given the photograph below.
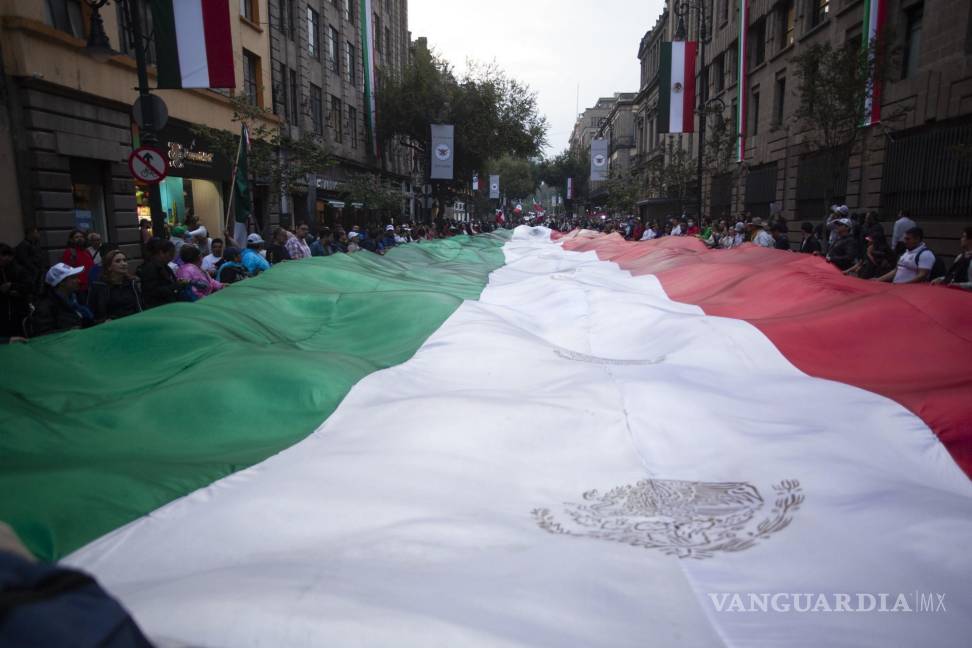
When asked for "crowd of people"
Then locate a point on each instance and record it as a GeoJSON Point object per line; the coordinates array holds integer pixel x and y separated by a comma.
{"type": "Point", "coordinates": [93, 282]}
{"type": "Point", "coordinates": [856, 244]}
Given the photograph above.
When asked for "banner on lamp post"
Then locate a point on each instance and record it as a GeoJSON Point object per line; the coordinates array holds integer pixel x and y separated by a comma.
{"type": "Point", "coordinates": [599, 160]}
{"type": "Point", "coordinates": [570, 188]}
{"type": "Point", "coordinates": [475, 186]}
{"type": "Point", "coordinates": [443, 153]}
{"type": "Point", "coordinates": [494, 188]}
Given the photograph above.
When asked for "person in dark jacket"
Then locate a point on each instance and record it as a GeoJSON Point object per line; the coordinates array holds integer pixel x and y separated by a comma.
{"type": "Point", "coordinates": [159, 283]}
{"type": "Point", "coordinates": [810, 243]}
{"type": "Point", "coordinates": [230, 268]}
{"type": "Point", "coordinates": [32, 259]}
{"type": "Point", "coordinates": [780, 239]}
{"type": "Point", "coordinates": [116, 293]}
{"type": "Point", "coordinates": [15, 292]}
{"type": "Point", "coordinates": [843, 253]}
{"type": "Point", "coordinates": [59, 308]}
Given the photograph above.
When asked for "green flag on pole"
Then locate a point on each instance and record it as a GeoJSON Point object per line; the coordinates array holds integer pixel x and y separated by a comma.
{"type": "Point", "coordinates": [242, 191]}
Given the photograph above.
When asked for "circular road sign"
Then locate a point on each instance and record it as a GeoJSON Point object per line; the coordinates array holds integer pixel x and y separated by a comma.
{"type": "Point", "coordinates": [148, 165]}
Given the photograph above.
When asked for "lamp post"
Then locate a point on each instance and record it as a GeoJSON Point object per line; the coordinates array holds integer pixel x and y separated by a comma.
{"type": "Point", "coordinates": [99, 48]}
{"type": "Point", "coordinates": [704, 35]}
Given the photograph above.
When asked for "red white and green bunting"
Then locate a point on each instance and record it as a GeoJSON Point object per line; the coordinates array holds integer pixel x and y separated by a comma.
{"type": "Point", "coordinates": [743, 81]}
{"type": "Point", "coordinates": [875, 13]}
{"type": "Point", "coordinates": [368, 64]}
{"type": "Point", "coordinates": [676, 98]}
{"type": "Point", "coordinates": [193, 43]}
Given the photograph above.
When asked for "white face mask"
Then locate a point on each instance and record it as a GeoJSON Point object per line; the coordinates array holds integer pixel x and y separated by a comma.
{"type": "Point", "coordinates": [263, 253]}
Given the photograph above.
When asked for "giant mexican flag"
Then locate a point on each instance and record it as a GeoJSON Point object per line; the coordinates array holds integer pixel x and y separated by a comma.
{"type": "Point", "coordinates": [513, 441]}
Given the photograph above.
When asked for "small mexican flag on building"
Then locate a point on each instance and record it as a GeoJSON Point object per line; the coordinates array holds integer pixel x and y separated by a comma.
{"type": "Point", "coordinates": [193, 43]}
{"type": "Point", "coordinates": [676, 96]}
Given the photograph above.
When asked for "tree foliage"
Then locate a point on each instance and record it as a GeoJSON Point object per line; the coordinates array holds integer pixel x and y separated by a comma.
{"type": "Point", "coordinates": [276, 158]}
{"type": "Point", "coordinates": [568, 164]}
{"type": "Point", "coordinates": [518, 176]}
{"type": "Point", "coordinates": [366, 188]}
{"type": "Point", "coordinates": [494, 115]}
{"type": "Point", "coordinates": [623, 191]}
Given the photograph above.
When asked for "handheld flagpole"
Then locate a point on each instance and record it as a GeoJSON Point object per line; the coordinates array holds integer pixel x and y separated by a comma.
{"type": "Point", "coordinates": [229, 203]}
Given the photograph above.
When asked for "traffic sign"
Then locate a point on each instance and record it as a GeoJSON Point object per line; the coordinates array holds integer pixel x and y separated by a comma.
{"type": "Point", "coordinates": [160, 112]}
{"type": "Point", "coordinates": [148, 165]}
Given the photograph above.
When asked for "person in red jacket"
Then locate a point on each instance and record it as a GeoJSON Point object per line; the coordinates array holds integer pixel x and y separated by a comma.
{"type": "Point", "coordinates": [76, 255]}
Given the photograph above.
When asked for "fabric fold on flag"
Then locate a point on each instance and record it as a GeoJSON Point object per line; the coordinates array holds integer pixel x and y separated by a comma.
{"type": "Point", "coordinates": [106, 424]}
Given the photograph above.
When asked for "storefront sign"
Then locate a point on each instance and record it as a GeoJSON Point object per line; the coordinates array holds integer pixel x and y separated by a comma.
{"type": "Point", "coordinates": [191, 156]}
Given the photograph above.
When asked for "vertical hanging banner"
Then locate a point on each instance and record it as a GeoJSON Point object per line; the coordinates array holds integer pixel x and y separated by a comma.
{"type": "Point", "coordinates": [676, 94]}
{"type": "Point", "coordinates": [475, 185]}
{"type": "Point", "coordinates": [494, 186]}
{"type": "Point", "coordinates": [570, 188]}
{"type": "Point", "coordinates": [193, 43]}
{"type": "Point", "coordinates": [443, 143]}
{"type": "Point", "coordinates": [599, 159]}
{"type": "Point", "coordinates": [368, 65]}
{"type": "Point", "coordinates": [875, 13]}
{"type": "Point", "coordinates": [743, 81]}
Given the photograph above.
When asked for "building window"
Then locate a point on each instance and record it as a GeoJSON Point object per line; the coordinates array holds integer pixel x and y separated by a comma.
{"type": "Point", "coordinates": [313, 33]}
{"type": "Point", "coordinates": [317, 109]}
{"type": "Point", "coordinates": [787, 18]}
{"type": "Point", "coordinates": [333, 59]}
{"type": "Point", "coordinates": [336, 123]}
{"type": "Point", "coordinates": [349, 65]}
{"type": "Point", "coordinates": [780, 103]}
{"type": "Point", "coordinates": [349, 10]}
{"type": "Point", "coordinates": [353, 126]}
{"type": "Point", "coordinates": [819, 11]}
{"type": "Point", "coordinates": [912, 47]}
{"type": "Point", "coordinates": [281, 97]}
{"type": "Point", "coordinates": [294, 103]}
{"type": "Point", "coordinates": [127, 37]}
{"type": "Point", "coordinates": [251, 78]}
{"type": "Point", "coordinates": [729, 58]}
{"type": "Point", "coordinates": [757, 43]}
{"type": "Point", "coordinates": [719, 73]}
{"type": "Point", "coordinates": [248, 9]}
{"type": "Point", "coordinates": [723, 11]}
{"type": "Point", "coordinates": [376, 34]}
{"type": "Point", "coordinates": [65, 15]}
{"type": "Point", "coordinates": [287, 18]}
{"type": "Point", "coordinates": [754, 111]}
{"type": "Point", "coordinates": [387, 45]}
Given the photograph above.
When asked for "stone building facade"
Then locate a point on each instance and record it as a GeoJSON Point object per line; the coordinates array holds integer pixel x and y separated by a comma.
{"type": "Point", "coordinates": [318, 87]}
{"type": "Point", "coordinates": [68, 131]}
{"type": "Point", "coordinates": [920, 161]}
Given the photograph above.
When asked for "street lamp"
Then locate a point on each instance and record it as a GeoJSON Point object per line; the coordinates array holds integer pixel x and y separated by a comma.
{"type": "Point", "coordinates": [99, 48]}
{"type": "Point", "coordinates": [682, 9]}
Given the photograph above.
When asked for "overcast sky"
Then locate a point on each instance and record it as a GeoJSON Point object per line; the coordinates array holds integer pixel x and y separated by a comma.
{"type": "Point", "coordinates": [552, 45]}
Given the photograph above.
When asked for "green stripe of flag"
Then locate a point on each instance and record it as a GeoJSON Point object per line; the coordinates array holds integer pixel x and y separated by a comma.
{"type": "Point", "coordinates": [665, 88]}
{"type": "Point", "coordinates": [166, 45]}
{"type": "Point", "coordinates": [105, 425]}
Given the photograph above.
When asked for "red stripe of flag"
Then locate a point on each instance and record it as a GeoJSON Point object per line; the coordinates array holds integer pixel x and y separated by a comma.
{"type": "Point", "coordinates": [688, 97]}
{"type": "Point", "coordinates": [806, 307]}
{"type": "Point", "coordinates": [219, 43]}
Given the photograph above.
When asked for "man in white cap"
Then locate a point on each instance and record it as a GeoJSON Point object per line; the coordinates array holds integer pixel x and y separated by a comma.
{"type": "Point", "coordinates": [253, 261]}
{"type": "Point", "coordinates": [902, 225]}
{"type": "Point", "coordinates": [59, 309]}
{"type": "Point", "coordinates": [843, 253]}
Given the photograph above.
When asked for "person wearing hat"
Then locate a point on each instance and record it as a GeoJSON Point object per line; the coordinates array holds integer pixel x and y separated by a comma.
{"type": "Point", "coordinates": [178, 237]}
{"type": "Point", "coordinates": [353, 242]}
{"type": "Point", "coordinates": [878, 259]}
{"type": "Point", "coordinates": [253, 261]}
{"type": "Point", "coordinates": [843, 253]}
{"type": "Point", "coordinates": [59, 308]}
{"type": "Point", "coordinates": [388, 240]}
{"type": "Point", "coordinates": [758, 233]}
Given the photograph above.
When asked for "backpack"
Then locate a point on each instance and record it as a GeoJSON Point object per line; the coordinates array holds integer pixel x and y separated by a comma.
{"type": "Point", "coordinates": [937, 269]}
